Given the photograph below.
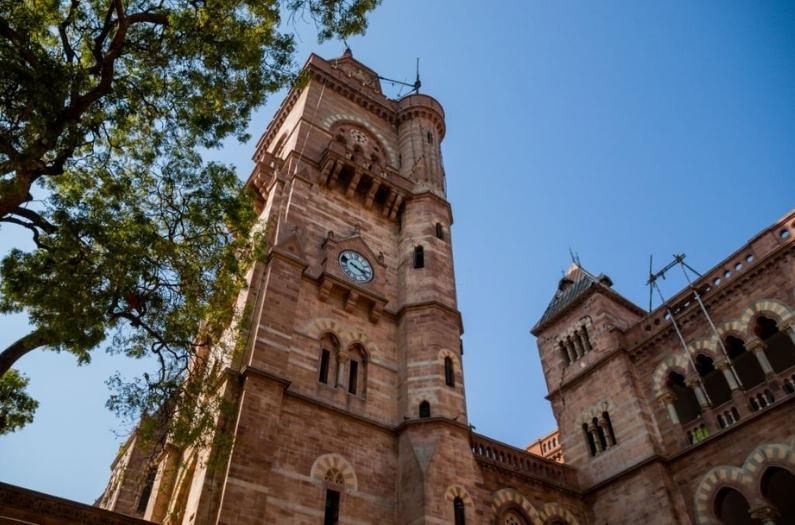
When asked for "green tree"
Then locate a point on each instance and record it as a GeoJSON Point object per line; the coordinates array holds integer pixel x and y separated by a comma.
{"type": "Point", "coordinates": [104, 105]}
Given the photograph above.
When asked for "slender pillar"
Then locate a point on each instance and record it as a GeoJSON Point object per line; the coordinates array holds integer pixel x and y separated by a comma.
{"type": "Point", "coordinates": [667, 400]}
{"type": "Point", "coordinates": [341, 360]}
{"type": "Point", "coordinates": [724, 366]}
{"type": "Point", "coordinates": [757, 346]}
{"type": "Point", "coordinates": [693, 383]}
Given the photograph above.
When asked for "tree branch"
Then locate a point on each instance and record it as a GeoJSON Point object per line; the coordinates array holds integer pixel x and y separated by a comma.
{"type": "Point", "coordinates": [20, 347]}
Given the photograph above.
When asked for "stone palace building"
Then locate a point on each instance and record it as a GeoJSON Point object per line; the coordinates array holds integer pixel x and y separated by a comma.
{"type": "Point", "coordinates": [350, 396]}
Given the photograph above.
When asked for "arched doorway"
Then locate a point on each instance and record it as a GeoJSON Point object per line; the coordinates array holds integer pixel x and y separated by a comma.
{"type": "Point", "coordinates": [778, 487]}
{"type": "Point", "coordinates": [731, 508]}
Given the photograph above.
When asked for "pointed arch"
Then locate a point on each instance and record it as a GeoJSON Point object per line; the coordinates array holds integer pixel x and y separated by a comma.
{"type": "Point", "coordinates": [553, 510]}
{"type": "Point", "coordinates": [506, 498]}
{"type": "Point", "coordinates": [336, 464]}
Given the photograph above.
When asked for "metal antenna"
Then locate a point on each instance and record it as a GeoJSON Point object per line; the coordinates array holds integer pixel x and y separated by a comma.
{"type": "Point", "coordinates": [651, 291]}
{"type": "Point", "coordinates": [415, 86]}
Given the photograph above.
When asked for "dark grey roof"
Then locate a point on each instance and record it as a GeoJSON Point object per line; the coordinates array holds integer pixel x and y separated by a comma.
{"type": "Point", "coordinates": [573, 285]}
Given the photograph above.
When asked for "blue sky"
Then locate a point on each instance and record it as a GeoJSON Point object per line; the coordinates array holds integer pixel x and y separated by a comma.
{"type": "Point", "coordinates": [616, 129]}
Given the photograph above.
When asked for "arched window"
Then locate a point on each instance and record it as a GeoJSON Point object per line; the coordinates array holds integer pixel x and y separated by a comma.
{"type": "Point", "coordinates": [600, 434]}
{"type": "Point", "coordinates": [357, 370]}
{"type": "Point", "coordinates": [329, 348]}
{"type": "Point", "coordinates": [732, 508]}
{"type": "Point", "coordinates": [714, 381]}
{"type": "Point", "coordinates": [778, 486]}
{"type": "Point", "coordinates": [780, 349]}
{"type": "Point", "coordinates": [425, 409]}
{"type": "Point", "coordinates": [332, 514]}
{"type": "Point", "coordinates": [745, 363]}
{"type": "Point", "coordinates": [686, 403]}
{"type": "Point", "coordinates": [419, 257]}
{"type": "Point", "coordinates": [564, 352]}
{"type": "Point", "coordinates": [439, 231]}
{"type": "Point", "coordinates": [429, 137]}
{"type": "Point", "coordinates": [449, 372]}
{"type": "Point", "coordinates": [459, 511]}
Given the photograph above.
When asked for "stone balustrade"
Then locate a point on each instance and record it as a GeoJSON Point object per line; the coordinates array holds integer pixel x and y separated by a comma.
{"type": "Point", "coordinates": [517, 460]}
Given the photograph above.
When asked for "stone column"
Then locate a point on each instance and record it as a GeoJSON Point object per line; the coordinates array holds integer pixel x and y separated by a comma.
{"type": "Point", "coordinates": [724, 366]}
{"type": "Point", "coordinates": [667, 400]}
{"type": "Point", "coordinates": [341, 360]}
{"type": "Point", "coordinates": [757, 346]}
{"type": "Point", "coordinates": [693, 383]}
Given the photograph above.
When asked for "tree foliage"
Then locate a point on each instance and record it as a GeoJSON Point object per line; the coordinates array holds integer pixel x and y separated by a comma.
{"type": "Point", "coordinates": [104, 105]}
{"type": "Point", "coordinates": [16, 407]}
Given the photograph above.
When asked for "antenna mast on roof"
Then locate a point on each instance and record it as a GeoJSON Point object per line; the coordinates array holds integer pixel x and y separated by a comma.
{"type": "Point", "coordinates": [415, 86]}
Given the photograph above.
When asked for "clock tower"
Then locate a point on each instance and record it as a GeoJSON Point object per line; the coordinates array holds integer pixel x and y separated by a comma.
{"type": "Point", "coordinates": [349, 394]}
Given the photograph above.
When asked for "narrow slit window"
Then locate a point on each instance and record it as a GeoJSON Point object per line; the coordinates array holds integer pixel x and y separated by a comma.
{"type": "Point", "coordinates": [458, 511]}
{"type": "Point", "coordinates": [600, 432]}
{"type": "Point", "coordinates": [449, 372]}
{"type": "Point", "coordinates": [419, 257]}
{"type": "Point", "coordinates": [429, 137]}
{"type": "Point", "coordinates": [425, 409]}
{"type": "Point", "coordinates": [325, 357]}
{"type": "Point", "coordinates": [353, 377]}
{"type": "Point", "coordinates": [332, 516]}
{"type": "Point", "coordinates": [143, 501]}
{"type": "Point", "coordinates": [439, 231]}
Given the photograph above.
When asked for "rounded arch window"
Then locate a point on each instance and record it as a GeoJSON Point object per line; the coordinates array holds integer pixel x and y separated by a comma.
{"type": "Point", "coordinates": [732, 508]}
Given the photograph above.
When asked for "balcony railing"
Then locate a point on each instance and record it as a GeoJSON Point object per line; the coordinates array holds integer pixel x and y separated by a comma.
{"type": "Point", "coordinates": [517, 460]}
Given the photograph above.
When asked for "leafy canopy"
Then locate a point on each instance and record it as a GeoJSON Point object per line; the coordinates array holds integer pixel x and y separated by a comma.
{"type": "Point", "coordinates": [104, 105]}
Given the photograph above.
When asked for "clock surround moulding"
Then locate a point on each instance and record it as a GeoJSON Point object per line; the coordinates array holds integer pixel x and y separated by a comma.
{"type": "Point", "coordinates": [330, 275]}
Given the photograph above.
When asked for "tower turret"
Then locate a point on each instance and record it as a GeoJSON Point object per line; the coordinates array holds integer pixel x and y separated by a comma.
{"type": "Point", "coordinates": [420, 133]}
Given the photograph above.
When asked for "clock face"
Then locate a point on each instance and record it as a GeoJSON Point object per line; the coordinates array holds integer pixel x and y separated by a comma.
{"type": "Point", "coordinates": [355, 266]}
{"type": "Point", "coordinates": [359, 137]}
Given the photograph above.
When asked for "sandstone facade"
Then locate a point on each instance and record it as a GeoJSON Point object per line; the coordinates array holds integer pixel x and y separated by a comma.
{"type": "Point", "coordinates": [350, 395]}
